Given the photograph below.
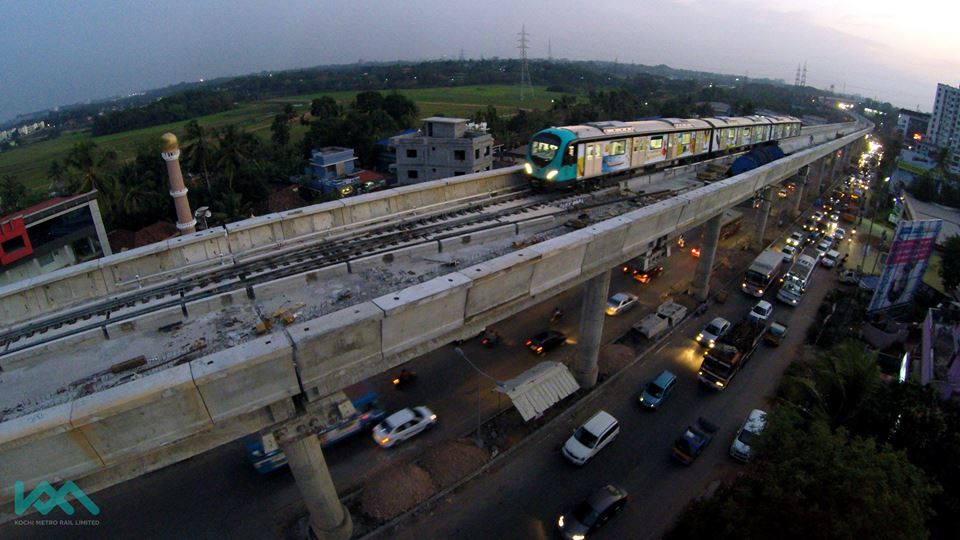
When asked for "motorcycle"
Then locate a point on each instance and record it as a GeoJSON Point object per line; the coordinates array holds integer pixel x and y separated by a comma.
{"type": "Point", "coordinates": [490, 339]}
{"type": "Point", "coordinates": [557, 315]}
{"type": "Point", "coordinates": [404, 378]}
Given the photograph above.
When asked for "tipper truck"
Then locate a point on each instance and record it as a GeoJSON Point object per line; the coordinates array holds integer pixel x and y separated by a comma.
{"type": "Point", "coordinates": [732, 351]}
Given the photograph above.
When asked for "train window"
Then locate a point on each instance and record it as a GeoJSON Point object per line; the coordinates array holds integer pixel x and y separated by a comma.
{"type": "Point", "coordinates": [656, 143]}
{"type": "Point", "coordinates": [617, 148]}
{"type": "Point", "coordinates": [685, 138]}
{"type": "Point", "coordinates": [746, 132]}
{"type": "Point", "coordinates": [731, 134]}
{"type": "Point", "coordinates": [570, 157]}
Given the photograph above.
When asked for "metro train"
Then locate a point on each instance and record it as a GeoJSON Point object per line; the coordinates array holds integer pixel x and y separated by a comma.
{"type": "Point", "coordinates": [571, 155]}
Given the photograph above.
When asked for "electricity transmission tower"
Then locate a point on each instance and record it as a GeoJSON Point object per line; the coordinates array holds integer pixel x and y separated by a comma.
{"type": "Point", "coordinates": [524, 66]}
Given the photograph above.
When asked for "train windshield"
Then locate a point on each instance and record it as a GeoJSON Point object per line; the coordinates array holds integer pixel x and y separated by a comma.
{"type": "Point", "coordinates": [543, 148]}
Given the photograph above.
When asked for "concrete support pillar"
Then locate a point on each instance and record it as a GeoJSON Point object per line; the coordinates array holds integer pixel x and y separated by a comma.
{"type": "Point", "coordinates": [764, 213]}
{"type": "Point", "coordinates": [801, 183]}
{"type": "Point", "coordinates": [837, 167]}
{"type": "Point", "coordinates": [329, 519]}
{"type": "Point", "coordinates": [700, 288]}
{"type": "Point", "coordinates": [102, 237]}
{"type": "Point", "coordinates": [591, 330]}
{"type": "Point", "coordinates": [821, 172]}
{"type": "Point", "coordinates": [170, 153]}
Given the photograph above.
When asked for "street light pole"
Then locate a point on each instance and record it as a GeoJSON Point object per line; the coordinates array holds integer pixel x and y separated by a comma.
{"type": "Point", "coordinates": [479, 440]}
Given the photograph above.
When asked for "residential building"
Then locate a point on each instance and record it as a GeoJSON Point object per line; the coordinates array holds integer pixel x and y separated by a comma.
{"type": "Point", "coordinates": [387, 155]}
{"type": "Point", "coordinates": [910, 165]}
{"type": "Point", "coordinates": [944, 130]}
{"type": "Point", "coordinates": [912, 125]}
{"type": "Point", "coordinates": [51, 235]}
{"type": "Point", "coordinates": [333, 168]}
{"type": "Point", "coordinates": [445, 147]}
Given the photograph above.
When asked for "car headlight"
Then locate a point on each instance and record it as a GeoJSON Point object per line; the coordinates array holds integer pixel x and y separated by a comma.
{"type": "Point", "coordinates": [552, 174]}
{"type": "Point", "coordinates": [699, 337]}
{"type": "Point", "coordinates": [433, 417]}
{"type": "Point", "coordinates": [528, 168]}
{"type": "Point", "coordinates": [577, 537]}
{"type": "Point", "coordinates": [560, 522]}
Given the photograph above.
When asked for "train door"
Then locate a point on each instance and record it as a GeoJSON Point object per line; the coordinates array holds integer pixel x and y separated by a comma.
{"type": "Point", "coordinates": [684, 144]}
{"type": "Point", "coordinates": [746, 135]}
{"type": "Point", "coordinates": [637, 145]}
{"type": "Point", "coordinates": [656, 149]}
{"type": "Point", "coordinates": [594, 161]}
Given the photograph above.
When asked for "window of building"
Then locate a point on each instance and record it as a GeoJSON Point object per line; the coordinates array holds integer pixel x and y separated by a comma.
{"type": "Point", "coordinates": [486, 151]}
{"type": "Point", "coordinates": [413, 174]}
{"type": "Point", "coordinates": [617, 148]}
{"type": "Point", "coordinates": [476, 153]}
{"type": "Point", "coordinates": [459, 173]}
{"type": "Point", "coordinates": [459, 155]}
{"type": "Point", "coordinates": [656, 143]}
{"type": "Point", "coordinates": [14, 244]}
{"type": "Point", "coordinates": [433, 170]}
{"type": "Point", "coordinates": [411, 152]}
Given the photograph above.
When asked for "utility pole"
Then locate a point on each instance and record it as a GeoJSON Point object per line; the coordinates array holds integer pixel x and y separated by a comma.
{"type": "Point", "coordinates": [524, 66]}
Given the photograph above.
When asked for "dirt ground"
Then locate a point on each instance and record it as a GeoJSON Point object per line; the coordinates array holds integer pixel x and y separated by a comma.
{"type": "Point", "coordinates": [613, 358]}
{"type": "Point", "coordinates": [452, 460]}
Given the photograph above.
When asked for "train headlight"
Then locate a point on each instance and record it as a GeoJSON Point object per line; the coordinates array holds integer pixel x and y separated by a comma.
{"type": "Point", "coordinates": [552, 174]}
{"type": "Point", "coordinates": [527, 167]}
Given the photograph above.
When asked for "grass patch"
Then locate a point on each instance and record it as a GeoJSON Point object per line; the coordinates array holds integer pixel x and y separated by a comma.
{"type": "Point", "coordinates": [29, 163]}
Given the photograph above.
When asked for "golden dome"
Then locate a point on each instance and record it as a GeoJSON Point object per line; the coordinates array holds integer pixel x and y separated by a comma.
{"type": "Point", "coordinates": [168, 142]}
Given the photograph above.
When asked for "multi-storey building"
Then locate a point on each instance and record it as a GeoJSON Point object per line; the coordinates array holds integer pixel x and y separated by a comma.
{"type": "Point", "coordinates": [944, 130]}
{"type": "Point", "coordinates": [445, 147]}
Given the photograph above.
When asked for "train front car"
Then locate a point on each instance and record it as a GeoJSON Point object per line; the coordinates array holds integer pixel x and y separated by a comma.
{"type": "Point", "coordinates": [551, 158]}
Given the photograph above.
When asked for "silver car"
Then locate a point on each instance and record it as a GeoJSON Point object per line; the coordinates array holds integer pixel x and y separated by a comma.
{"type": "Point", "coordinates": [620, 303]}
{"type": "Point", "coordinates": [402, 425]}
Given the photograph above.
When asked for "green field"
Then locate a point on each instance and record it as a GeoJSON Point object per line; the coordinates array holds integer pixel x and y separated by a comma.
{"type": "Point", "coordinates": [29, 163]}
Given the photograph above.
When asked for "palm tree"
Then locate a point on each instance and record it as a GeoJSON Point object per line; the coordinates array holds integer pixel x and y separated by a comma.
{"type": "Point", "coordinates": [141, 194]}
{"type": "Point", "coordinates": [199, 154]}
{"type": "Point", "coordinates": [92, 169]}
{"type": "Point", "coordinates": [836, 384]}
{"type": "Point", "coordinates": [234, 146]}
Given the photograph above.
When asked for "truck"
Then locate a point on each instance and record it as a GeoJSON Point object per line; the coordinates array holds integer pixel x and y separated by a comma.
{"type": "Point", "coordinates": [348, 412]}
{"type": "Point", "coordinates": [694, 439]}
{"type": "Point", "coordinates": [668, 315]}
{"type": "Point", "coordinates": [732, 351]}
{"type": "Point", "coordinates": [764, 269]}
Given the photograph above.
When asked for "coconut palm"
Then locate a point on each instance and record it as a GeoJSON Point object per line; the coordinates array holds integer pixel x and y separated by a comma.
{"type": "Point", "coordinates": [199, 153]}
{"type": "Point", "coordinates": [92, 169]}
{"type": "Point", "coordinates": [234, 147]}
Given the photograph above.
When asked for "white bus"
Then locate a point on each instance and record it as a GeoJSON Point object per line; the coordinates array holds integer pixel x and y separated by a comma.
{"type": "Point", "coordinates": [765, 268]}
{"type": "Point", "coordinates": [797, 280]}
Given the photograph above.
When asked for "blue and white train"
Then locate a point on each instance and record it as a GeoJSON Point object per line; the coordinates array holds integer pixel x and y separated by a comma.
{"type": "Point", "coordinates": [566, 156]}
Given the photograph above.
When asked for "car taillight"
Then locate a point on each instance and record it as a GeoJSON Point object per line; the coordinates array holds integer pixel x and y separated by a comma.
{"type": "Point", "coordinates": [539, 349]}
{"type": "Point", "coordinates": [385, 440]}
{"type": "Point", "coordinates": [396, 381]}
{"type": "Point", "coordinates": [528, 343]}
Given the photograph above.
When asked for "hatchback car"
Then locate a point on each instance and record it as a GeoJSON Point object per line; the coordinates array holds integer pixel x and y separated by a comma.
{"type": "Point", "coordinates": [795, 238]}
{"type": "Point", "coordinates": [592, 513]}
{"type": "Point", "coordinates": [760, 312]}
{"type": "Point", "coordinates": [809, 225]}
{"type": "Point", "coordinates": [646, 275]}
{"type": "Point", "coordinates": [747, 435]}
{"type": "Point", "coordinates": [620, 303]}
{"type": "Point", "coordinates": [838, 234]}
{"type": "Point", "coordinates": [591, 437]}
{"type": "Point", "coordinates": [712, 331]}
{"type": "Point", "coordinates": [830, 259]}
{"type": "Point", "coordinates": [402, 425]}
{"type": "Point", "coordinates": [657, 390]}
{"type": "Point", "coordinates": [789, 252]}
{"type": "Point", "coordinates": [544, 342]}
{"type": "Point", "coordinates": [813, 237]}
{"type": "Point", "coordinates": [823, 247]}
{"type": "Point", "coordinates": [817, 216]}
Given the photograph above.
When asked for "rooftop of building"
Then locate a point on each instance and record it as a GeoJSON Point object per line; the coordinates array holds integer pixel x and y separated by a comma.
{"type": "Point", "coordinates": [914, 113]}
{"type": "Point", "coordinates": [445, 120]}
{"type": "Point", "coordinates": [928, 210]}
{"type": "Point", "coordinates": [49, 204]}
{"type": "Point", "coordinates": [332, 149]}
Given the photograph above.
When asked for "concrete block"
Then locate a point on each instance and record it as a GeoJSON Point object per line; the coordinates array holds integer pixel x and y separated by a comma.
{"type": "Point", "coordinates": [209, 245]}
{"type": "Point", "coordinates": [21, 304]}
{"type": "Point", "coordinates": [298, 281]}
{"type": "Point", "coordinates": [606, 249]}
{"type": "Point", "coordinates": [312, 219]}
{"type": "Point", "coordinates": [499, 281]}
{"type": "Point", "coordinates": [254, 233]}
{"type": "Point", "coordinates": [534, 226]}
{"type": "Point", "coordinates": [479, 237]}
{"type": "Point", "coordinates": [216, 303]}
{"type": "Point", "coordinates": [76, 288]}
{"type": "Point", "coordinates": [123, 270]}
{"type": "Point", "coordinates": [30, 357]}
{"type": "Point", "coordinates": [369, 206]}
{"type": "Point", "coordinates": [138, 416]}
{"type": "Point", "coordinates": [244, 378]}
{"type": "Point", "coordinates": [42, 446]}
{"type": "Point", "coordinates": [401, 254]}
{"type": "Point", "coordinates": [418, 196]}
{"type": "Point", "coordinates": [145, 323]}
{"type": "Point", "coordinates": [422, 312]}
{"type": "Point", "coordinates": [338, 349]}
{"type": "Point", "coordinates": [560, 260]}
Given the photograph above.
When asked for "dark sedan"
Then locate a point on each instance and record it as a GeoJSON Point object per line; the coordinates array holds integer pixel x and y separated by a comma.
{"type": "Point", "coordinates": [544, 342]}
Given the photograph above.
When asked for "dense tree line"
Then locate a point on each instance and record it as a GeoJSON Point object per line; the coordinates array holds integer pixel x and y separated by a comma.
{"type": "Point", "coordinates": [182, 106]}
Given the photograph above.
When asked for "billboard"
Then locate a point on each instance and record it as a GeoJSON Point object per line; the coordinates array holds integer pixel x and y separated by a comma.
{"type": "Point", "coordinates": [906, 263]}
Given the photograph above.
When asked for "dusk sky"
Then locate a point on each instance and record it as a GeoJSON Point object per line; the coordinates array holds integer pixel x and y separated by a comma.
{"type": "Point", "coordinates": [60, 52]}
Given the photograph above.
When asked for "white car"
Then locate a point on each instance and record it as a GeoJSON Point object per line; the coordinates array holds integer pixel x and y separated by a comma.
{"type": "Point", "coordinates": [830, 259]}
{"type": "Point", "coordinates": [796, 238]}
{"type": "Point", "coordinates": [823, 247]}
{"type": "Point", "coordinates": [789, 252]}
{"type": "Point", "coordinates": [838, 234]}
{"type": "Point", "coordinates": [591, 437]}
{"type": "Point", "coordinates": [402, 425]}
{"type": "Point", "coordinates": [747, 435]}
{"type": "Point", "coordinates": [834, 219]}
{"type": "Point", "coordinates": [620, 302]}
{"type": "Point", "coordinates": [712, 331]}
{"type": "Point", "coordinates": [761, 312]}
